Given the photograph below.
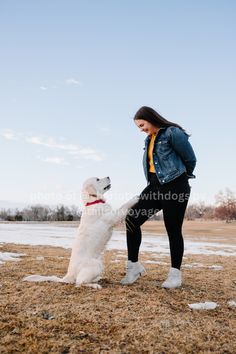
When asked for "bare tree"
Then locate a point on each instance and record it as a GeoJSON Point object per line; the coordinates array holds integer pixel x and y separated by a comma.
{"type": "Point", "coordinates": [226, 206]}
{"type": "Point", "coordinates": [198, 211]}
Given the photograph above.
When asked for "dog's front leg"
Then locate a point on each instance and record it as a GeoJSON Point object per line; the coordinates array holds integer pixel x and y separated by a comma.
{"type": "Point", "coordinates": [120, 214]}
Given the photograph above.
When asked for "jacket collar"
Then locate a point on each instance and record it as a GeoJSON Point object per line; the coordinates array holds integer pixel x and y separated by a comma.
{"type": "Point", "coordinates": [147, 139]}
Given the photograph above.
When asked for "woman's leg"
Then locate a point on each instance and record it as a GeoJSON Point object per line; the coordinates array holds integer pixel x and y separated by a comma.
{"type": "Point", "coordinates": [173, 212]}
{"type": "Point", "coordinates": [147, 206]}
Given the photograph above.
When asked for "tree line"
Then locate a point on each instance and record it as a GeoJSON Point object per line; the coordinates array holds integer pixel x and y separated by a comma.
{"type": "Point", "coordinates": [223, 209]}
{"type": "Point", "coordinates": [41, 213]}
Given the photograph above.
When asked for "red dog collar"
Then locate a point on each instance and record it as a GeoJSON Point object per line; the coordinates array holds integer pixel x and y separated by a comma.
{"type": "Point", "coordinates": [95, 202]}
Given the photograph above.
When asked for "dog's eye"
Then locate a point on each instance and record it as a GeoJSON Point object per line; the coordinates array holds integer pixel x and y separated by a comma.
{"type": "Point", "coordinates": [97, 179]}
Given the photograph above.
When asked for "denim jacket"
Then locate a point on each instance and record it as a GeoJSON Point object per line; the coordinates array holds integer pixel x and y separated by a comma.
{"type": "Point", "coordinates": [172, 155]}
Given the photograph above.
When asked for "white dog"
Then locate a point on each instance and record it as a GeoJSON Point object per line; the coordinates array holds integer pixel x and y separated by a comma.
{"type": "Point", "coordinates": [95, 230]}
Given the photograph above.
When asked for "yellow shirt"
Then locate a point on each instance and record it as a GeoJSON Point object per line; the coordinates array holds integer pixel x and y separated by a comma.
{"type": "Point", "coordinates": [150, 154]}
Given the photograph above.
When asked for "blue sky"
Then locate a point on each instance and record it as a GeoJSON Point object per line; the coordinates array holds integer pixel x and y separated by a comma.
{"type": "Point", "coordinates": [73, 74]}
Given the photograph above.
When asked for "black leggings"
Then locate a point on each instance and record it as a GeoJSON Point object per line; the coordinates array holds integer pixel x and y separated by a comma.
{"type": "Point", "coordinates": [172, 198]}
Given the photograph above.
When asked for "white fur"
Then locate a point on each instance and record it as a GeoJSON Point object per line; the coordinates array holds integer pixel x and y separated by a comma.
{"type": "Point", "coordinates": [95, 230]}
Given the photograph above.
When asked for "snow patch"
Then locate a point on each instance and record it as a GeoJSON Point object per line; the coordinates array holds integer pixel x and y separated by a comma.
{"type": "Point", "coordinates": [10, 256]}
{"type": "Point", "coordinates": [155, 262]}
{"type": "Point", "coordinates": [199, 265]}
{"type": "Point", "coordinates": [61, 236]}
{"type": "Point", "coordinates": [231, 303]}
{"type": "Point", "coordinates": [216, 267]}
{"type": "Point", "coordinates": [39, 258]}
{"type": "Point", "coordinates": [203, 305]}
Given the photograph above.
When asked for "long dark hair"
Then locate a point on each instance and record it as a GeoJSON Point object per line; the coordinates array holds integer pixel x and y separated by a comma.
{"type": "Point", "coordinates": [151, 116]}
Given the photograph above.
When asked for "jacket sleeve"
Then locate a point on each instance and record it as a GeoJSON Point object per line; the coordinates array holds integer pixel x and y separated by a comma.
{"type": "Point", "coordinates": [181, 145]}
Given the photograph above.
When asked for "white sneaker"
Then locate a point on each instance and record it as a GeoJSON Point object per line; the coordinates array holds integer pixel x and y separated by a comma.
{"type": "Point", "coordinates": [133, 272]}
{"type": "Point", "coordinates": [174, 279]}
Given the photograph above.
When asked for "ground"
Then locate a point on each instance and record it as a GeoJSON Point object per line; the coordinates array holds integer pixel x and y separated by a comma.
{"type": "Point", "coordinates": [142, 318]}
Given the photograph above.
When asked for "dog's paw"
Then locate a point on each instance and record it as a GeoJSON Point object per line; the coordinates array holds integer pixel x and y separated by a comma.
{"type": "Point", "coordinates": [96, 286]}
{"type": "Point", "coordinates": [134, 200]}
{"type": "Point", "coordinates": [89, 285]}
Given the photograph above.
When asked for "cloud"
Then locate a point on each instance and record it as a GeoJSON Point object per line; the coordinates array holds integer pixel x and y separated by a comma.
{"type": "Point", "coordinates": [69, 82]}
{"type": "Point", "coordinates": [8, 134]}
{"type": "Point", "coordinates": [90, 154]}
{"type": "Point", "coordinates": [47, 142]}
{"type": "Point", "coordinates": [51, 143]}
{"type": "Point", "coordinates": [72, 149]}
{"type": "Point", "coordinates": [72, 82]}
{"type": "Point", "coordinates": [55, 160]}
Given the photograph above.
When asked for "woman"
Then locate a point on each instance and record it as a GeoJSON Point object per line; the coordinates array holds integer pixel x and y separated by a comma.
{"type": "Point", "coordinates": [168, 162]}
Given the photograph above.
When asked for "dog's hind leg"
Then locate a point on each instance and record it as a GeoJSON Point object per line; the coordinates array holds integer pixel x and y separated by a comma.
{"type": "Point", "coordinates": [89, 274]}
{"type": "Point", "coordinates": [80, 282]}
{"type": "Point", "coordinates": [91, 285]}
{"type": "Point", "coordinates": [70, 279]}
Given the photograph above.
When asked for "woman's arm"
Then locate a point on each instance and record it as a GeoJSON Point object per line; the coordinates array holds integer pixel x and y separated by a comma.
{"type": "Point", "coordinates": [181, 145]}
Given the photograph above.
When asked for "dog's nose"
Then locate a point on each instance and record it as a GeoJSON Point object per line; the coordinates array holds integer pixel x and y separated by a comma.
{"type": "Point", "coordinates": [108, 178]}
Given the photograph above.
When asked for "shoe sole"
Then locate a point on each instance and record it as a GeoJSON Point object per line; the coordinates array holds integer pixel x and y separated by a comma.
{"type": "Point", "coordinates": [171, 287]}
{"type": "Point", "coordinates": [138, 276]}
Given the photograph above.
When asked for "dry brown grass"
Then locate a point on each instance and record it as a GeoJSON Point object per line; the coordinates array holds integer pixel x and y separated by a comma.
{"type": "Point", "coordinates": [142, 318]}
{"type": "Point", "coordinates": [199, 229]}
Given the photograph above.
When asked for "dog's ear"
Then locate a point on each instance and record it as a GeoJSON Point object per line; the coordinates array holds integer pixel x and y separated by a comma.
{"type": "Point", "coordinates": [90, 189]}
{"type": "Point", "coordinates": [87, 193]}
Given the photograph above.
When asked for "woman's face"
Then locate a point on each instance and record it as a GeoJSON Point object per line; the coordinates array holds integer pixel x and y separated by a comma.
{"type": "Point", "coordinates": [146, 127]}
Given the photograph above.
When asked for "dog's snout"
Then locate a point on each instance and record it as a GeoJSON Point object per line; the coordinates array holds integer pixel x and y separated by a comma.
{"type": "Point", "coordinates": [108, 178]}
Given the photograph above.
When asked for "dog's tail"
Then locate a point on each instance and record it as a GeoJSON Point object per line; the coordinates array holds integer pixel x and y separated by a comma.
{"type": "Point", "coordinates": [40, 278]}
